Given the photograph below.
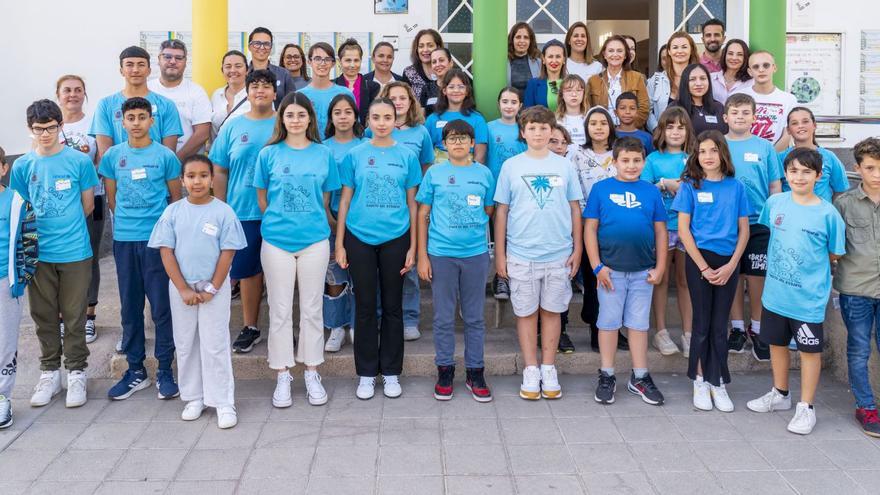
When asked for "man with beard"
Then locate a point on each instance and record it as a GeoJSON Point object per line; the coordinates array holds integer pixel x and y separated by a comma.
{"type": "Point", "coordinates": [713, 40]}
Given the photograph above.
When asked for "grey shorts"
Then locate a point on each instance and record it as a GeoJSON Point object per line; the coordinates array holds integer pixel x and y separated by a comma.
{"type": "Point", "coordinates": [536, 284]}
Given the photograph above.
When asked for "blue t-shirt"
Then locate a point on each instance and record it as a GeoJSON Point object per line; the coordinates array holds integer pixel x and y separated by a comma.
{"type": "Point", "coordinates": [5, 207]}
{"type": "Point", "coordinates": [435, 124]}
{"type": "Point", "coordinates": [415, 138]}
{"type": "Point", "coordinates": [141, 176]}
{"type": "Point", "coordinates": [757, 165]}
{"type": "Point", "coordinates": [108, 118]}
{"type": "Point", "coordinates": [643, 136]}
{"type": "Point", "coordinates": [715, 209]}
{"type": "Point", "coordinates": [798, 269]}
{"type": "Point", "coordinates": [339, 151]}
{"type": "Point", "coordinates": [663, 165]}
{"type": "Point", "coordinates": [321, 99]}
{"type": "Point", "coordinates": [295, 182]}
{"type": "Point", "coordinates": [197, 234]}
{"type": "Point", "coordinates": [626, 212]}
{"type": "Point", "coordinates": [458, 196]}
{"type": "Point", "coordinates": [380, 178]}
{"type": "Point", "coordinates": [833, 178]}
{"type": "Point", "coordinates": [236, 148]}
{"type": "Point", "coordinates": [503, 143]}
{"type": "Point", "coordinates": [54, 186]}
{"type": "Point", "coordinates": [538, 192]}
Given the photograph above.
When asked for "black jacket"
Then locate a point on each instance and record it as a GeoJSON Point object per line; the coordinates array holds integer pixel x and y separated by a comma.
{"type": "Point", "coordinates": [283, 82]}
{"type": "Point", "coordinates": [369, 91]}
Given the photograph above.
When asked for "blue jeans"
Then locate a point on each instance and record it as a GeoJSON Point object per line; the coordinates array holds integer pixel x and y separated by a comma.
{"type": "Point", "coordinates": [459, 280]}
{"type": "Point", "coordinates": [141, 275]}
{"type": "Point", "coordinates": [339, 310]}
{"type": "Point", "coordinates": [861, 315]}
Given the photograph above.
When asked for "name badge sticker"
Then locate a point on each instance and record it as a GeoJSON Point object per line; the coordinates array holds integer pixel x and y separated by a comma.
{"type": "Point", "coordinates": [705, 197]}
{"type": "Point", "coordinates": [556, 181]}
{"type": "Point", "coordinates": [138, 174]}
{"type": "Point", "coordinates": [751, 157]}
{"type": "Point", "coordinates": [432, 101]}
{"type": "Point", "coordinates": [441, 124]}
{"type": "Point", "coordinates": [62, 184]}
{"type": "Point", "coordinates": [711, 119]}
{"type": "Point", "coordinates": [473, 200]}
{"type": "Point", "coordinates": [210, 229]}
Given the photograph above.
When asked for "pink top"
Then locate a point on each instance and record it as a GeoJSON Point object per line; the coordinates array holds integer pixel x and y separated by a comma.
{"type": "Point", "coordinates": [719, 87]}
{"type": "Point", "coordinates": [356, 89]}
{"type": "Point", "coordinates": [710, 64]}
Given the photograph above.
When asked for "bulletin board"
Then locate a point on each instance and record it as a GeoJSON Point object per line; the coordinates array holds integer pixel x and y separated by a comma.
{"type": "Point", "coordinates": [869, 85]}
{"type": "Point", "coordinates": [813, 66]}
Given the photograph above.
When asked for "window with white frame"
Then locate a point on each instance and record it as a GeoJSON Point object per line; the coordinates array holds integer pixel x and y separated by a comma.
{"type": "Point", "coordinates": [455, 21]}
{"type": "Point", "coordinates": [691, 14]}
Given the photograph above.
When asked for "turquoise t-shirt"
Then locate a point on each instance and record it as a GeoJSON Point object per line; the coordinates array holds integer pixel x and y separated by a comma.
{"type": "Point", "coordinates": [503, 143]}
{"type": "Point", "coordinates": [295, 182]}
{"type": "Point", "coordinates": [53, 185]}
{"type": "Point", "coordinates": [141, 176]}
{"type": "Point", "coordinates": [415, 138]}
{"type": "Point", "coordinates": [236, 148]}
{"type": "Point", "coordinates": [798, 269]}
{"type": "Point", "coordinates": [380, 178]}
{"type": "Point", "coordinates": [321, 99]}
{"type": "Point", "coordinates": [198, 233]}
{"type": "Point", "coordinates": [5, 206]}
{"type": "Point", "coordinates": [833, 178]}
{"type": "Point", "coordinates": [435, 124]}
{"type": "Point", "coordinates": [757, 165]}
{"type": "Point", "coordinates": [458, 196]}
{"type": "Point", "coordinates": [108, 118]}
{"type": "Point", "coordinates": [339, 151]}
{"type": "Point", "coordinates": [663, 165]}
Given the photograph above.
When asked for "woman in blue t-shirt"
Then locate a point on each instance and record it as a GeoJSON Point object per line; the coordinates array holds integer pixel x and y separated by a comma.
{"type": "Point", "coordinates": [456, 101]}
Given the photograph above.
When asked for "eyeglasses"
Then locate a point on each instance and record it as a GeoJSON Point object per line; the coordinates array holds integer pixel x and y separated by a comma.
{"type": "Point", "coordinates": [169, 57]}
{"type": "Point", "coordinates": [765, 66]}
{"type": "Point", "coordinates": [261, 45]}
{"type": "Point", "coordinates": [292, 57]}
{"type": "Point", "coordinates": [52, 129]}
{"type": "Point", "coordinates": [457, 139]}
{"type": "Point", "coordinates": [554, 87]}
{"type": "Point", "coordinates": [322, 60]}
{"type": "Point", "coordinates": [456, 87]}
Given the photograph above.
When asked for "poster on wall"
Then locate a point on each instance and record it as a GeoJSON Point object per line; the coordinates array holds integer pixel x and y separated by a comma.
{"type": "Point", "coordinates": [869, 85]}
{"type": "Point", "coordinates": [391, 6]}
{"type": "Point", "coordinates": [813, 75]}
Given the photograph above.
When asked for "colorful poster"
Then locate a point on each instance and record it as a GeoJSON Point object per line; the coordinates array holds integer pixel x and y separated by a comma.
{"type": "Point", "coordinates": [813, 70]}
{"type": "Point", "coordinates": [391, 6]}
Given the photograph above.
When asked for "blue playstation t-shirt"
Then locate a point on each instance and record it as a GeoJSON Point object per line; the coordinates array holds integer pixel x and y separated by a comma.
{"type": "Point", "coordinates": [626, 212]}
{"type": "Point", "coordinates": [54, 186]}
{"type": "Point", "coordinates": [5, 207]}
{"type": "Point", "coordinates": [321, 99]}
{"type": "Point", "coordinates": [757, 165]}
{"type": "Point", "coordinates": [141, 176]}
{"type": "Point", "coordinates": [458, 196]}
{"type": "Point", "coordinates": [295, 182]}
{"type": "Point", "coordinates": [415, 138]}
{"type": "Point", "coordinates": [436, 123]}
{"type": "Point", "coordinates": [236, 148]}
{"type": "Point", "coordinates": [663, 165]}
{"type": "Point", "coordinates": [643, 136]}
{"type": "Point", "coordinates": [798, 269]}
{"type": "Point", "coordinates": [108, 118]}
{"type": "Point", "coordinates": [380, 178]}
{"type": "Point", "coordinates": [339, 151]}
{"type": "Point", "coordinates": [833, 178]}
{"type": "Point", "coordinates": [715, 209]}
{"type": "Point", "coordinates": [503, 143]}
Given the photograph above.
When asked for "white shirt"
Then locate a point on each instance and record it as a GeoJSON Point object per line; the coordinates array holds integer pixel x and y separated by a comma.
{"type": "Point", "coordinates": [218, 105]}
{"type": "Point", "coordinates": [771, 112]}
{"type": "Point", "coordinates": [719, 86]}
{"type": "Point", "coordinates": [584, 69]}
{"type": "Point", "coordinates": [192, 103]}
{"type": "Point", "coordinates": [76, 135]}
{"type": "Point", "coordinates": [574, 124]}
{"type": "Point", "coordinates": [591, 167]}
{"type": "Point", "coordinates": [614, 90]}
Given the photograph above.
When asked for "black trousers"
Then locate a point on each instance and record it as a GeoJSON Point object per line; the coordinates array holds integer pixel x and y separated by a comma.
{"type": "Point", "coordinates": [377, 350]}
{"type": "Point", "coordinates": [711, 310]}
{"type": "Point", "coordinates": [590, 307]}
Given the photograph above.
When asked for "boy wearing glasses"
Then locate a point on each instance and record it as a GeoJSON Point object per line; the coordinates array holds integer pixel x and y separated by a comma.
{"type": "Point", "coordinates": [260, 45]}
{"type": "Point", "coordinates": [772, 104]}
{"type": "Point", "coordinates": [321, 90]}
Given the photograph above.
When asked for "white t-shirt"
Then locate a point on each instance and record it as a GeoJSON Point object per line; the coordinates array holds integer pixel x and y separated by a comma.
{"type": "Point", "coordinates": [574, 124]}
{"type": "Point", "coordinates": [771, 112]}
{"type": "Point", "coordinates": [192, 103]}
{"type": "Point", "coordinates": [218, 106]}
{"type": "Point", "coordinates": [76, 135]}
{"type": "Point", "coordinates": [584, 69]}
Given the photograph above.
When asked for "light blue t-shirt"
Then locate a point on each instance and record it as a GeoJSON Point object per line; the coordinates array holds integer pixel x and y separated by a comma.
{"type": "Point", "coordinates": [108, 118]}
{"type": "Point", "coordinates": [538, 192]}
{"type": "Point", "coordinates": [435, 124]}
{"type": "Point", "coordinates": [198, 233]}
{"type": "Point", "coordinates": [798, 269]}
{"type": "Point", "coordinates": [503, 143]}
{"type": "Point", "coordinates": [321, 99]}
{"type": "Point", "coordinates": [236, 148]}
{"type": "Point", "coordinates": [833, 179]}
{"type": "Point", "coordinates": [5, 206]}
{"type": "Point", "coordinates": [415, 138]}
{"type": "Point", "coordinates": [295, 182]}
{"type": "Point", "coordinates": [757, 165]}
{"type": "Point", "coordinates": [380, 178]}
{"type": "Point", "coordinates": [141, 176]}
{"type": "Point", "coordinates": [339, 151]}
{"type": "Point", "coordinates": [715, 209]}
{"type": "Point", "coordinates": [54, 186]}
{"type": "Point", "coordinates": [663, 165]}
{"type": "Point", "coordinates": [458, 196]}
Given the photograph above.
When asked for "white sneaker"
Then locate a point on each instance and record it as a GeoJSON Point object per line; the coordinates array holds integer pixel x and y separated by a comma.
{"type": "Point", "coordinates": [351, 335]}
{"type": "Point", "coordinates": [531, 384]}
{"type": "Point", "coordinates": [663, 342]}
{"type": "Point", "coordinates": [5, 412]}
{"type": "Point", "coordinates": [226, 417]}
{"type": "Point", "coordinates": [193, 410]}
{"type": "Point", "coordinates": [281, 397]}
{"type": "Point", "coordinates": [76, 388]}
{"type": "Point", "coordinates": [411, 333]}
{"type": "Point", "coordinates": [702, 397]}
{"type": "Point", "coordinates": [366, 387]}
{"type": "Point", "coordinates": [721, 399]}
{"type": "Point", "coordinates": [48, 386]}
{"type": "Point", "coordinates": [335, 340]}
{"type": "Point", "coordinates": [391, 387]}
{"type": "Point", "coordinates": [119, 345]}
{"type": "Point", "coordinates": [771, 401]}
{"type": "Point", "coordinates": [686, 344]}
{"type": "Point", "coordinates": [550, 388]}
{"type": "Point", "coordinates": [804, 419]}
{"type": "Point", "coordinates": [314, 390]}
{"type": "Point", "coordinates": [91, 331]}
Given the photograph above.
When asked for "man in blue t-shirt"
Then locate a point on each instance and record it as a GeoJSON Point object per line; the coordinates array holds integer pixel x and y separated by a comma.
{"type": "Point", "coordinates": [140, 174]}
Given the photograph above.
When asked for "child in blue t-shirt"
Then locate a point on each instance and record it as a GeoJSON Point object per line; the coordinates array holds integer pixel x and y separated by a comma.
{"type": "Point", "coordinates": [627, 110]}
{"type": "Point", "coordinates": [802, 129]}
{"type": "Point", "coordinates": [806, 232]}
{"type": "Point", "coordinates": [626, 239]}
{"type": "Point", "coordinates": [198, 236]}
{"type": "Point", "coordinates": [321, 89]}
{"type": "Point", "coordinates": [453, 256]}
{"type": "Point", "coordinates": [713, 226]}
{"type": "Point", "coordinates": [504, 140]}
{"type": "Point", "coordinates": [456, 101]}
{"type": "Point", "coordinates": [139, 175]}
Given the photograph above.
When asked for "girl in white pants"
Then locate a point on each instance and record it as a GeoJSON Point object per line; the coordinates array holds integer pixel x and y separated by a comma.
{"type": "Point", "coordinates": [197, 237]}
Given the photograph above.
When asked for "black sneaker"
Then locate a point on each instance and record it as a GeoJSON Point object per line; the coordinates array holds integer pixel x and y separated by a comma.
{"type": "Point", "coordinates": [760, 350]}
{"type": "Point", "coordinates": [645, 389]}
{"type": "Point", "coordinates": [622, 342]}
{"type": "Point", "coordinates": [606, 388]}
{"type": "Point", "coordinates": [501, 288]}
{"type": "Point", "coordinates": [443, 387]}
{"type": "Point", "coordinates": [565, 345]}
{"type": "Point", "coordinates": [246, 340]}
{"type": "Point", "coordinates": [736, 341]}
{"type": "Point", "coordinates": [476, 383]}
{"type": "Point", "coordinates": [236, 290]}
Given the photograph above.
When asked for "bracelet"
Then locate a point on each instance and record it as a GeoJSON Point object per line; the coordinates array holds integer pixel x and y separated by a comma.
{"type": "Point", "coordinates": [704, 269]}
{"type": "Point", "coordinates": [210, 289]}
{"type": "Point", "coordinates": [598, 269]}
{"type": "Point", "coordinates": [662, 185]}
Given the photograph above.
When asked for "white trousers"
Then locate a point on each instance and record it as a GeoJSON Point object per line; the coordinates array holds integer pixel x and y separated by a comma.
{"type": "Point", "coordinates": [283, 270]}
{"type": "Point", "coordinates": [204, 353]}
{"type": "Point", "coordinates": [10, 318]}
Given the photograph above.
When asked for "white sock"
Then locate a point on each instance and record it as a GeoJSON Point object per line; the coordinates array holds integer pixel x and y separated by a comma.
{"type": "Point", "coordinates": [738, 324]}
{"type": "Point", "coordinates": [546, 367]}
{"type": "Point", "coordinates": [756, 327]}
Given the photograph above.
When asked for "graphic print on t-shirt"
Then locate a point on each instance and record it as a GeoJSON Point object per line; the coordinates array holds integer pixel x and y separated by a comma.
{"type": "Point", "coordinates": [541, 186]}
{"type": "Point", "coordinates": [461, 214]}
{"type": "Point", "coordinates": [382, 191]}
{"type": "Point", "coordinates": [627, 200]}
{"type": "Point", "coordinates": [296, 198]}
{"type": "Point", "coordinates": [767, 116]}
{"type": "Point", "coordinates": [45, 200]}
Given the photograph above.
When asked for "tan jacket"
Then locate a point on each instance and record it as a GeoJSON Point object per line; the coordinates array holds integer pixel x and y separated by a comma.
{"type": "Point", "coordinates": [597, 91]}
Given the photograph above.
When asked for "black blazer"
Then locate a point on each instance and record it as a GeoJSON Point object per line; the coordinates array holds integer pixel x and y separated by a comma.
{"type": "Point", "coordinates": [372, 75]}
{"type": "Point", "coordinates": [369, 91]}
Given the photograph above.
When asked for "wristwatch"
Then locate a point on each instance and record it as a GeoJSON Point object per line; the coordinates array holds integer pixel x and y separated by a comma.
{"type": "Point", "coordinates": [210, 289]}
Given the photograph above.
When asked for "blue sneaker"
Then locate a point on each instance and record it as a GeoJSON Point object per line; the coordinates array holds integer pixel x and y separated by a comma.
{"type": "Point", "coordinates": [131, 382]}
{"type": "Point", "coordinates": [166, 384]}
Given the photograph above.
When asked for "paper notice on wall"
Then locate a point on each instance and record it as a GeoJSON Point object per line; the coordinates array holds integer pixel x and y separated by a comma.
{"type": "Point", "coordinates": [869, 85]}
{"type": "Point", "coordinates": [280, 40]}
{"type": "Point", "coordinates": [803, 13]}
{"type": "Point", "coordinates": [813, 71]}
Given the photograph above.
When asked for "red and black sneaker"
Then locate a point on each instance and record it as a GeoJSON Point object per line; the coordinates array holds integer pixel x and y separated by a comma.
{"type": "Point", "coordinates": [443, 388]}
{"type": "Point", "coordinates": [476, 383]}
{"type": "Point", "coordinates": [869, 420]}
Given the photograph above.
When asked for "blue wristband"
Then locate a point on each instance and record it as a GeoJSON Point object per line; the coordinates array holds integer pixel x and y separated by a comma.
{"type": "Point", "coordinates": [598, 269]}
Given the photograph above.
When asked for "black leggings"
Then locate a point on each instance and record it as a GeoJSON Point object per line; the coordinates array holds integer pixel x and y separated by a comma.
{"type": "Point", "coordinates": [590, 307]}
